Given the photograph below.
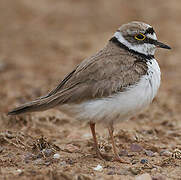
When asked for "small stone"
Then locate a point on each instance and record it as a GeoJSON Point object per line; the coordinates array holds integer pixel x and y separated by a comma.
{"type": "Point", "coordinates": [47, 163]}
{"type": "Point", "coordinates": [39, 155]}
{"type": "Point", "coordinates": [38, 162]}
{"type": "Point", "coordinates": [165, 153]}
{"type": "Point", "coordinates": [134, 161]}
{"type": "Point", "coordinates": [9, 135]}
{"type": "Point", "coordinates": [131, 155]}
{"type": "Point", "coordinates": [19, 170]}
{"type": "Point", "coordinates": [98, 168]}
{"type": "Point", "coordinates": [70, 161]}
{"type": "Point", "coordinates": [149, 153]}
{"type": "Point", "coordinates": [136, 148]}
{"type": "Point", "coordinates": [156, 169]}
{"type": "Point", "coordinates": [134, 170]}
{"type": "Point", "coordinates": [144, 161]}
{"type": "Point", "coordinates": [56, 156]}
{"type": "Point", "coordinates": [47, 152]}
{"type": "Point", "coordinates": [63, 163]}
{"type": "Point", "coordinates": [145, 176]}
{"type": "Point", "coordinates": [158, 177]}
{"type": "Point", "coordinates": [111, 173]}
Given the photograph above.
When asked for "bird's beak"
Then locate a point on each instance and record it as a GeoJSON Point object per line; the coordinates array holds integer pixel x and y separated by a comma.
{"type": "Point", "coordinates": [161, 45]}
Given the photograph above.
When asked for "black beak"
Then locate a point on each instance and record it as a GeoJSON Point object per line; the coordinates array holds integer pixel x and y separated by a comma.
{"type": "Point", "coordinates": [161, 45]}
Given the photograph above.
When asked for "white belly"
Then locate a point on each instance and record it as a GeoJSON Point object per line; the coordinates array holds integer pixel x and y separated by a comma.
{"type": "Point", "coordinates": [123, 104]}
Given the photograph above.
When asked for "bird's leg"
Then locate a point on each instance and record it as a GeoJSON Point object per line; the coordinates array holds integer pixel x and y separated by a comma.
{"type": "Point", "coordinates": [92, 127]}
{"type": "Point", "coordinates": [116, 155]}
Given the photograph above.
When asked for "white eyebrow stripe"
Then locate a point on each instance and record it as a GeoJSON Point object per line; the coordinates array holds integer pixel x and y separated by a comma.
{"type": "Point", "coordinates": [152, 36]}
{"type": "Point", "coordinates": [141, 48]}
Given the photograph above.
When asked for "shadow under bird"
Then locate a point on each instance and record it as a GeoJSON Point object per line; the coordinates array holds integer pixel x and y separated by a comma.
{"type": "Point", "coordinates": [110, 86]}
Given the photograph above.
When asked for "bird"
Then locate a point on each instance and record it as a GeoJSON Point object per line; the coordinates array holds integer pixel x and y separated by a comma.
{"type": "Point", "coordinates": [112, 85]}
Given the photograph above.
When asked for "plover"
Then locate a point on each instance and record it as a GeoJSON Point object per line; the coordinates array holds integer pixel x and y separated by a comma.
{"type": "Point", "coordinates": [110, 86]}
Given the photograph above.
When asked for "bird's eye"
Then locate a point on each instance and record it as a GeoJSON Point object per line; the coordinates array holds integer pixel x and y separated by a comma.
{"type": "Point", "coordinates": [140, 37]}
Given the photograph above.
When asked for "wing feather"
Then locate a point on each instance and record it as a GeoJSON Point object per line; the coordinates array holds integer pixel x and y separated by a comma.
{"type": "Point", "coordinates": [110, 71]}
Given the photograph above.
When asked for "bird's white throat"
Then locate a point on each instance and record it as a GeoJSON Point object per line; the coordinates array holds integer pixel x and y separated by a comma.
{"type": "Point", "coordinates": [147, 49]}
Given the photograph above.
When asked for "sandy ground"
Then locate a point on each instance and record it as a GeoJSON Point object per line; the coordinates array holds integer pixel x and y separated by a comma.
{"type": "Point", "coordinates": [40, 42]}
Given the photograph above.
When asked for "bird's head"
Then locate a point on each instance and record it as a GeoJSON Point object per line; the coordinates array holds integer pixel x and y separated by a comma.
{"type": "Point", "coordinates": [139, 37]}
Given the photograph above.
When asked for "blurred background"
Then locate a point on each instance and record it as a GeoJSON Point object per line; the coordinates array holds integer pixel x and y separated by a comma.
{"type": "Point", "coordinates": [43, 40]}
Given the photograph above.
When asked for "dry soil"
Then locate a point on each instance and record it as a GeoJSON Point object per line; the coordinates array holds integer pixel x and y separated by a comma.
{"type": "Point", "coordinates": [40, 42]}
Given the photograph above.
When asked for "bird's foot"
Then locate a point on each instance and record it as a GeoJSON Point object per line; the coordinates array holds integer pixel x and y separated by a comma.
{"type": "Point", "coordinates": [100, 155]}
{"type": "Point", "coordinates": [103, 157]}
{"type": "Point", "coordinates": [118, 159]}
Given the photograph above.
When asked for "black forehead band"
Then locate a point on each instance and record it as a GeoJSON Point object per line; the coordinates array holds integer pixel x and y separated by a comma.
{"type": "Point", "coordinates": [150, 30]}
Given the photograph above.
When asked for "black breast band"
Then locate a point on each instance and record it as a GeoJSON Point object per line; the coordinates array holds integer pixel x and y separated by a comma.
{"type": "Point", "coordinates": [121, 45]}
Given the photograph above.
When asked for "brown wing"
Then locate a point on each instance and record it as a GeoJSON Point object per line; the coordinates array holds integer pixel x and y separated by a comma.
{"type": "Point", "coordinates": [109, 71]}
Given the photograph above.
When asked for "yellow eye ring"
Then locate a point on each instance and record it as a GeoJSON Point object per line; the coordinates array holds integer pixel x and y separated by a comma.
{"type": "Point", "coordinates": [140, 37]}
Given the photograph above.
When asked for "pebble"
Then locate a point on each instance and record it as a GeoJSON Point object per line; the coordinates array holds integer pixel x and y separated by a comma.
{"type": "Point", "coordinates": [134, 161]}
{"type": "Point", "coordinates": [136, 148]}
{"type": "Point", "coordinates": [165, 153]}
{"type": "Point", "coordinates": [131, 155]}
{"type": "Point", "coordinates": [9, 134]}
{"type": "Point", "coordinates": [156, 169]}
{"type": "Point", "coordinates": [149, 153]}
{"type": "Point", "coordinates": [70, 161]}
{"type": "Point", "coordinates": [63, 163]}
{"type": "Point", "coordinates": [19, 170]}
{"type": "Point", "coordinates": [145, 176]}
{"type": "Point", "coordinates": [39, 155]}
{"type": "Point", "coordinates": [134, 170]}
{"type": "Point", "coordinates": [98, 168]}
{"type": "Point", "coordinates": [144, 161]}
{"type": "Point", "coordinates": [47, 152]}
{"type": "Point", "coordinates": [47, 163]}
{"type": "Point", "coordinates": [56, 156]}
{"type": "Point", "coordinates": [111, 173]}
{"type": "Point", "coordinates": [39, 162]}
{"type": "Point", "coordinates": [158, 177]}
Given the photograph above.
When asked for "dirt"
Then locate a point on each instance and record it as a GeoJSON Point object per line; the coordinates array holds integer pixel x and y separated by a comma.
{"type": "Point", "coordinates": [40, 42]}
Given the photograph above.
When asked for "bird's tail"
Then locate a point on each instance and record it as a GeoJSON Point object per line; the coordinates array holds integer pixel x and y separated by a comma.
{"type": "Point", "coordinates": [37, 105]}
